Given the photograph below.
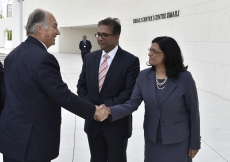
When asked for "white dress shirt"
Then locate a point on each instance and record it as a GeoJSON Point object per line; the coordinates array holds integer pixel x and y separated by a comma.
{"type": "Point", "coordinates": [43, 44]}
{"type": "Point", "coordinates": [111, 56]}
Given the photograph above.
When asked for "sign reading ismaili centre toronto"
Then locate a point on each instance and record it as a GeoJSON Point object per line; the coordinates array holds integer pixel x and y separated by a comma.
{"type": "Point", "coordinates": [166, 15]}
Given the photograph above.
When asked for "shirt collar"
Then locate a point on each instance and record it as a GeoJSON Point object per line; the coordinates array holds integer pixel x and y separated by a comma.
{"type": "Point", "coordinates": [43, 44]}
{"type": "Point", "coordinates": [111, 53]}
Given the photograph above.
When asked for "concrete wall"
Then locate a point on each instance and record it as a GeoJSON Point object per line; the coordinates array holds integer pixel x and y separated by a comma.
{"type": "Point", "coordinates": [202, 31]}
{"type": "Point", "coordinates": [11, 23]}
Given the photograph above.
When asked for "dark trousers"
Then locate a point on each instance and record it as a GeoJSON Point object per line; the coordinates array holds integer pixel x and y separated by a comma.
{"type": "Point", "coordinates": [107, 151]}
{"type": "Point", "coordinates": [83, 55]}
{"type": "Point", "coordinates": [6, 159]}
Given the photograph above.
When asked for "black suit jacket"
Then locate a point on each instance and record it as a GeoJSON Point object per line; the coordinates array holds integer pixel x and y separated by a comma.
{"type": "Point", "coordinates": [87, 48]}
{"type": "Point", "coordinates": [2, 99]}
{"type": "Point", "coordinates": [31, 119]}
{"type": "Point", "coordinates": [117, 89]}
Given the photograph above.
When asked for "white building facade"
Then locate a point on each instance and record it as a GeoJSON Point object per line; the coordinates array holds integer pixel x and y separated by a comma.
{"type": "Point", "coordinates": [201, 28]}
{"type": "Point", "coordinates": [9, 10]}
{"type": "Point", "coordinates": [6, 9]}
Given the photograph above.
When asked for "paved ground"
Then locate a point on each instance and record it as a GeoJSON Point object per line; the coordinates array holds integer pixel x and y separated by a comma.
{"type": "Point", "coordinates": [215, 127]}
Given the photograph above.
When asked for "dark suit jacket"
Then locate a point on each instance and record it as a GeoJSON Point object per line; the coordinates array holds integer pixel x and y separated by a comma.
{"type": "Point", "coordinates": [177, 111]}
{"type": "Point", "coordinates": [31, 119]}
{"type": "Point", "coordinates": [2, 99]}
{"type": "Point", "coordinates": [117, 89]}
{"type": "Point", "coordinates": [87, 48]}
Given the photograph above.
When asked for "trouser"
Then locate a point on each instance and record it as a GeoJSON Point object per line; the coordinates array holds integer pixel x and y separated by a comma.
{"type": "Point", "coordinates": [107, 151]}
{"type": "Point", "coordinates": [83, 55]}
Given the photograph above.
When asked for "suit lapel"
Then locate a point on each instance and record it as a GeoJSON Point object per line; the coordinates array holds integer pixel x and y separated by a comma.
{"type": "Point", "coordinates": [151, 86]}
{"type": "Point", "coordinates": [170, 86]}
{"type": "Point", "coordinates": [113, 66]}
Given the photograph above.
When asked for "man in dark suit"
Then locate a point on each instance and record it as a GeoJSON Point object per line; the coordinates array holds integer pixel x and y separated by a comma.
{"type": "Point", "coordinates": [108, 77]}
{"type": "Point", "coordinates": [85, 47]}
{"type": "Point", "coordinates": [31, 119]}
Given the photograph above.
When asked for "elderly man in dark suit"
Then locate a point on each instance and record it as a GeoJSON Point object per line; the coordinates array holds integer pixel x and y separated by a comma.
{"type": "Point", "coordinates": [31, 119]}
{"type": "Point", "coordinates": [108, 77]}
{"type": "Point", "coordinates": [85, 47]}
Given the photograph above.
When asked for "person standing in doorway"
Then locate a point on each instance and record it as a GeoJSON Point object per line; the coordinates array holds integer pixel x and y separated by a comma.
{"type": "Point", "coordinates": [108, 77]}
{"type": "Point", "coordinates": [85, 47]}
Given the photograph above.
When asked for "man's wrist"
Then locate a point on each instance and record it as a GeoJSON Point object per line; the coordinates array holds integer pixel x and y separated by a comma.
{"type": "Point", "coordinates": [108, 110]}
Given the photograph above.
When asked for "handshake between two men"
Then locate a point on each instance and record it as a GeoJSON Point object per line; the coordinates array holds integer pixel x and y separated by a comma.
{"type": "Point", "coordinates": [102, 112]}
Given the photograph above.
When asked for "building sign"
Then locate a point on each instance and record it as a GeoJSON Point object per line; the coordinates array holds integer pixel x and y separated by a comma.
{"type": "Point", "coordinates": [166, 15]}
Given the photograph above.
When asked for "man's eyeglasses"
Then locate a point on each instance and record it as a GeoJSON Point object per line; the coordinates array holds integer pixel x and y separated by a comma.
{"type": "Point", "coordinates": [153, 51]}
{"type": "Point", "coordinates": [103, 35]}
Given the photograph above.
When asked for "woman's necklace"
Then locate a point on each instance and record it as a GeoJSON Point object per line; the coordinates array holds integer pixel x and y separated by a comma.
{"type": "Point", "coordinates": [160, 84]}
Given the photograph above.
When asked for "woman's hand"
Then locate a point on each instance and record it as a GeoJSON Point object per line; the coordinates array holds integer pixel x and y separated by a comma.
{"type": "Point", "coordinates": [192, 153]}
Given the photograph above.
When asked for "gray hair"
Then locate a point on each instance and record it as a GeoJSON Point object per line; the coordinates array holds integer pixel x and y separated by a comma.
{"type": "Point", "coordinates": [38, 16]}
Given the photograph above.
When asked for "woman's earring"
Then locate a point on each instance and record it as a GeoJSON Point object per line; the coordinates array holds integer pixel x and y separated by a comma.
{"type": "Point", "coordinates": [147, 63]}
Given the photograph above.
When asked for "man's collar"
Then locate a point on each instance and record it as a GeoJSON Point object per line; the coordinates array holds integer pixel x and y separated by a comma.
{"type": "Point", "coordinates": [36, 41]}
{"type": "Point", "coordinates": [43, 44]}
{"type": "Point", "coordinates": [112, 53]}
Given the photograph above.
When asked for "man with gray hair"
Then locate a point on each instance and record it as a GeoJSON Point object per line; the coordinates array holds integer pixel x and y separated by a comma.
{"type": "Point", "coordinates": [35, 93]}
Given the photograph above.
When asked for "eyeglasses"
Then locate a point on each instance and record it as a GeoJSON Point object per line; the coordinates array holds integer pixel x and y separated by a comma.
{"type": "Point", "coordinates": [103, 35]}
{"type": "Point", "coordinates": [153, 51]}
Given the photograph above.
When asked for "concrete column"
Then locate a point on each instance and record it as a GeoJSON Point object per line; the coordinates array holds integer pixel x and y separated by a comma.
{"type": "Point", "coordinates": [20, 21]}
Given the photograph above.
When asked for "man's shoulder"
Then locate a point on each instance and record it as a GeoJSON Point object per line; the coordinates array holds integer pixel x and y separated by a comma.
{"type": "Point", "coordinates": [37, 50]}
{"type": "Point", "coordinates": [126, 53]}
{"type": "Point", "coordinates": [29, 49]}
{"type": "Point", "coordinates": [31, 54]}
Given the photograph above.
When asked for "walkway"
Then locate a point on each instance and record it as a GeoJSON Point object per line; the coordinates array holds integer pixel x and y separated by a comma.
{"type": "Point", "coordinates": [215, 127]}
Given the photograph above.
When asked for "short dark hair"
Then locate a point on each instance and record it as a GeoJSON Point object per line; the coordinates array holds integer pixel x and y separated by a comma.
{"type": "Point", "coordinates": [38, 16]}
{"type": "Point", "coordinates": [173, 60]}
{"type": "Point", "coordinates": [84, 36]}
{"type": "Point", "coordinates": [113, 23]}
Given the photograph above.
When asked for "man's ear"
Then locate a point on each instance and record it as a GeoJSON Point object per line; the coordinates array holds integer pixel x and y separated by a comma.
{"type": "Point", "coordinates": [39, 29]}
{"type": "Point", "coordinates": [117, 37]}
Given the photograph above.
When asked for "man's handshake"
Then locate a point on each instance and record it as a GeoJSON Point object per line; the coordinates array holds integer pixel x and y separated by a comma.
{"type": "Point", "coordinates": [102, 112]}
